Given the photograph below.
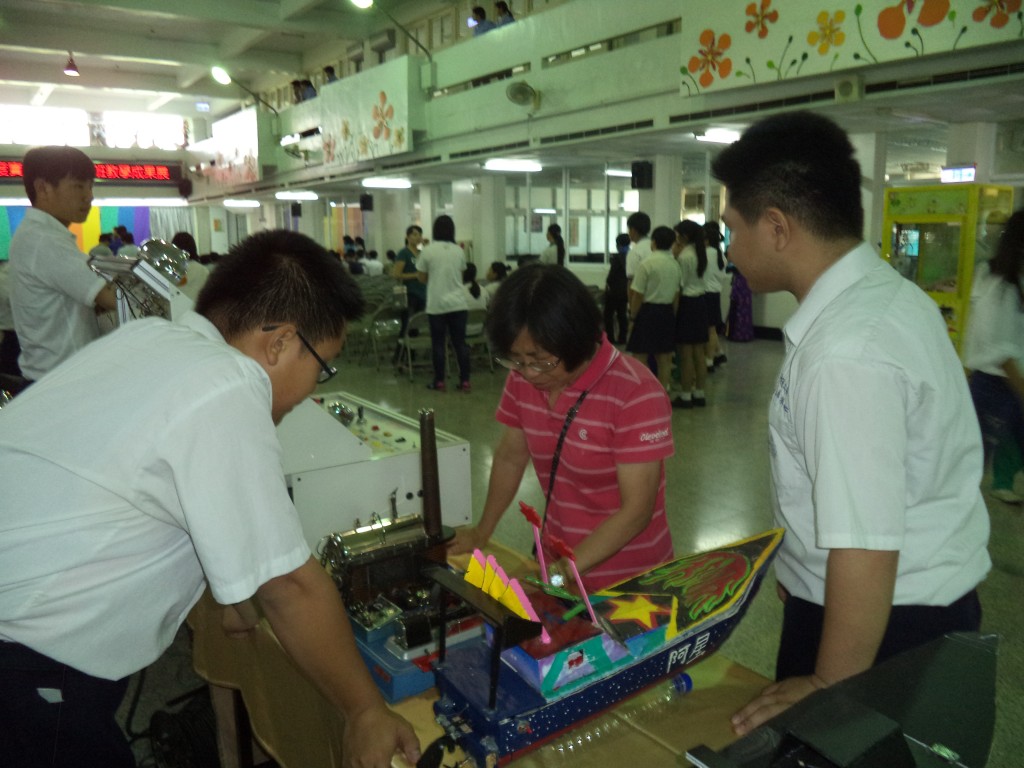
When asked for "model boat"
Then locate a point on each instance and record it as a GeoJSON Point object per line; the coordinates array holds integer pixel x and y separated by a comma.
{"type": "Point", "coordinates": [543, 667]}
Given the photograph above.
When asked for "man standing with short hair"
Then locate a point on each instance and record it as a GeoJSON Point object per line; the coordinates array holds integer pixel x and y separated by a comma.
{"type": "Point", "coordinates": [638, 226]}
{"type": "Point", "coordinates": [875, 450]}
{"type": "Point", "coordinates": [127, 492]}
{"type": "Point", "coordinates": [54, 294]}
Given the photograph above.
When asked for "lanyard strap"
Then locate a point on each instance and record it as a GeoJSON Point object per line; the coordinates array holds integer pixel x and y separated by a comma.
{"type": "Point", "coordinates": [558, 450]}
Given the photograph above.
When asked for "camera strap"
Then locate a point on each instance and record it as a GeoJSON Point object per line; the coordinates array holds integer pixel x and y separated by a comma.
{"type": "Point", "coordinates": [558, 453]}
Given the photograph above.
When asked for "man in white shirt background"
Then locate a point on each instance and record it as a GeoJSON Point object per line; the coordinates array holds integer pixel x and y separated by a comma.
{"type": "Point", "coordinates": [54, 295]}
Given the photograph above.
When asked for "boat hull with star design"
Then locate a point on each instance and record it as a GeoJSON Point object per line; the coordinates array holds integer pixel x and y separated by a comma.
{"type": "Point", "coordinates": [650, 627]}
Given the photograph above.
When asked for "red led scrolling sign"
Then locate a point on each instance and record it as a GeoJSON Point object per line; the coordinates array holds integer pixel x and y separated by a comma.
{"type": "Point", "coordinates": [122, 173]}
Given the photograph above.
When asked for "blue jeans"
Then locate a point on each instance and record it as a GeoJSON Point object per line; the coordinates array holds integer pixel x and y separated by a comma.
{"type": "Point", "coordinates": [451, 324]}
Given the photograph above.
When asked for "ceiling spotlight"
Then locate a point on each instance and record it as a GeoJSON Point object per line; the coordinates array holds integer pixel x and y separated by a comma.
{"type": "Point", "coordinates": [71, 69]}
{"type": "Point", "coordinates": [220, 75]}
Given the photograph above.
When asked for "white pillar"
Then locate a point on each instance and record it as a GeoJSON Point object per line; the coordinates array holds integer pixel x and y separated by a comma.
{"type": "Point", "coordinates": [870, 149]}
{"type": "Point", "coordinates": [392, 213]}
{"type": "Point", "coordinates": [664, 203]}
{"type": "Point", "coordinates": [465, 202]}
{"type": "Point", "coordinates": [489, 225]}
{"type": "Point", "coordinates": [973, 143]}
{"type": "Point", "coordinates": [428, 205]}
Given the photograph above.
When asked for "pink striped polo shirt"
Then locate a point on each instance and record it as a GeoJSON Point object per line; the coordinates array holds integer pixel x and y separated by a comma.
{"type": "Point", "coordinates": [626, 418]}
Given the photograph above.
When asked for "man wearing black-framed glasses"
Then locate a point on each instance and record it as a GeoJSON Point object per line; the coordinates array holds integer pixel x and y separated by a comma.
{"type": "Point", "coordinates": [137, 515]}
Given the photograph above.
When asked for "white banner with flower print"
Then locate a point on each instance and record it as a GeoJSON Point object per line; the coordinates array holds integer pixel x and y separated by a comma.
{"type": "Point", "coordinates": [367, 116]}
{"type": "Point", "coordinates": [772, 40]}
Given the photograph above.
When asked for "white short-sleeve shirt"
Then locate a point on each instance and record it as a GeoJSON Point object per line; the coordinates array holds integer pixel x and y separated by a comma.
{"type": "Point", "coordinates": [444, 263]}
{"type": "Point", "coordinates": [657, 278]}
{"type": "Point", "coordinates": [53, 293]}
{"type": "Point", "coordinates": [134, 474]}
{"type": "Point", "coordinates": [995, 327]}
{"type": "Point", "coordinates": [873, 439]}
{"type": "Point", "coordinates": [638, 251]}
{"type": "Point", "coordinates": [690, 283]}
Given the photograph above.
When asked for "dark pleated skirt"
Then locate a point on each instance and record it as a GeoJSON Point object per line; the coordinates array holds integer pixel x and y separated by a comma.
{"type": "Point", "coordinates": [653, 330]}
{"type": "Point", "coordinates": [692, 320]}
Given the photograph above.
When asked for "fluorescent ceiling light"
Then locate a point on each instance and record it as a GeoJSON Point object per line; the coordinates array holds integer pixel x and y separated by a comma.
{"type": "Point", "coordinates": [718, 136]}
{"type": "Point", "coordinates": [241, 203]}
{"type": "Point", "coordinates": [15, 201]}
{"type": "Point", "coordinates": [521, 166]}
{"type": "Point", "coordinates": [618, 173]}
{"type": "Point", "coordinates": [140, 202]}
{"type": "Point", "coordinates": [382, 182]}
{"type": "Point", "coordinates": [545, 210]}
{"type": "Point", "coordinates": [362, 3]}
{"type": "Point", "coordinates": [296, 194]}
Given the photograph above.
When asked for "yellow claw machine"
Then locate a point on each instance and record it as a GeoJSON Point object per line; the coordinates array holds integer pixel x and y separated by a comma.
{"type": "Point", "coordinates": [935, 235]}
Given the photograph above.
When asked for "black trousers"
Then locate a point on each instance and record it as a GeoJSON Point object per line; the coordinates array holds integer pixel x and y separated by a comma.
{"type": "Point", "coordinates": [909, 626]}
{"type": "Point", "coordinates": [616, 310]}
{"type": "Point", "coordinates": [54, 716]}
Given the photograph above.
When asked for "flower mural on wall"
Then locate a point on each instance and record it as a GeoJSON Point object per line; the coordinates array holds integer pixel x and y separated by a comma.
{"type": "Point", "coordinates": [710, 58]}
{"type": "Point", "coordinates": [761, 17]}
{"type": "Point", "coordinates": [1000, 10]}
{"type": "Point", "coordinates": [893, 20]}
{"type": "Point", "coordinates": [788, 39]}
{"type": "Point", "coordinates": [382, 113]}
{"type": "Point", "coordinates": [828, 33]}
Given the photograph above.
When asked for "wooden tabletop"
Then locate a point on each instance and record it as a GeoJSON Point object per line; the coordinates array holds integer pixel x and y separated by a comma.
{"type": "Point", "coordinates": [298, 728]}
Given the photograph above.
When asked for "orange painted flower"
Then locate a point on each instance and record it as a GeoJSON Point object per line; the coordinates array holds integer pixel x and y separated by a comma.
{"type": "Point", "coordinates": [382, 115]}
{"type": "Point", "coordinates": [1000, 9]}
{"type": "Point", "coordinates": [710, 58]}
{"type": "Point", "coordinates": [760, 17]}
{"type": "Point", "coordinates": [892, 21]}
{"type": "Point", "coordinates": [828, 32]}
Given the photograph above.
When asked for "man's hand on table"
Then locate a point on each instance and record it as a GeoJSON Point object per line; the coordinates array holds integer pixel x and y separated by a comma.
{"type": "Point", "coordinates": [774, 699]}
{"type": "Point", "coordinates": [374, 735]}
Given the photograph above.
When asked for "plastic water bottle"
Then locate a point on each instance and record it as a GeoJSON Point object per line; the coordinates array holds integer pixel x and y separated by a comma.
{"type": "Point", "coordinates": [650, 704]}
{"type": "Point", "coordinates": [646, 706]}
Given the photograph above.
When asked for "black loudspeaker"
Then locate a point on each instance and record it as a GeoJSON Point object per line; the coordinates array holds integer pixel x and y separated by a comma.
{"type": "Point", "coordinates": [185, 187]}
{"type": "Point", "coordinates": [296, 210]}
{"type": "Point", "coordinates": [642, 175]}
{"type": "Point", "coordinates": [366, 202]}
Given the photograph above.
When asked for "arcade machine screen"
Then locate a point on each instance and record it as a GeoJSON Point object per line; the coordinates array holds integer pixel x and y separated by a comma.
{"type": "Point", "coordinates": [928, 254]}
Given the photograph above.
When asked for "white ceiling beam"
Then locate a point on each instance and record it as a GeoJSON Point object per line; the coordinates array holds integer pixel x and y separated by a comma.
{"type": "Point", "coordinates": [24, 73]}
{"type": "Point", "coordinates": [41, 95]}
{"type": "Point", "coordinates": [239, 41]}
{"type": "Point", "coordinates": [236, 13]}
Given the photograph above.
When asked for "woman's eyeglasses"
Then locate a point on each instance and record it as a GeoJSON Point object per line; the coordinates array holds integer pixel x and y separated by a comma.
{"type": "Point", "coordinates": [540, 366]}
